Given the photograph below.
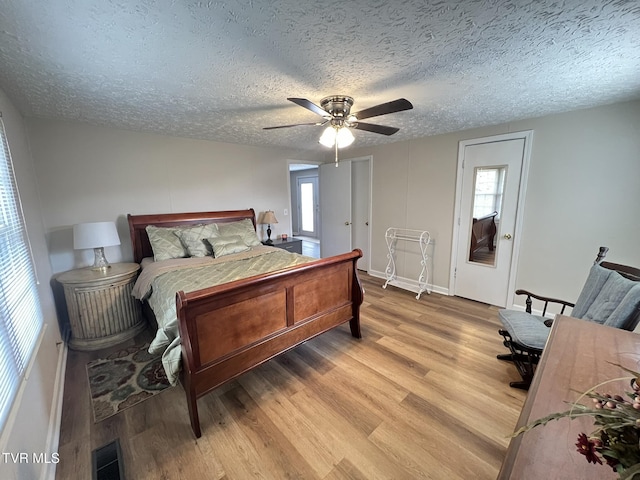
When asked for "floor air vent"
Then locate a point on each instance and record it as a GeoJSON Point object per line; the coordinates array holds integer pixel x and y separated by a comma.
{"type": "Point", "coordinates": [107, 462]}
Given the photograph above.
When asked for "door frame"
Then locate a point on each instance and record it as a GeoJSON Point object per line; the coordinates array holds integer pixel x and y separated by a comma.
{"type": "Point", "coordinates": [289, 189]}
{"type": "Point", "coordinates": [527, 135]}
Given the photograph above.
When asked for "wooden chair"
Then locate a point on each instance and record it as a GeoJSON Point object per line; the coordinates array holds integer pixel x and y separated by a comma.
{"type": "Point", "coordinates": [610, 296]}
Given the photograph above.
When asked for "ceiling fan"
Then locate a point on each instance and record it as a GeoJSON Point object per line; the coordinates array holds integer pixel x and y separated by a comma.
{"type": "Point", "coordinates": [336, 113]}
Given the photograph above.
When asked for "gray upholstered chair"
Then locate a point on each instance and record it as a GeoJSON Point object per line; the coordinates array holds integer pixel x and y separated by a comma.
{"type": "Point", "coordinates": [610, 296]}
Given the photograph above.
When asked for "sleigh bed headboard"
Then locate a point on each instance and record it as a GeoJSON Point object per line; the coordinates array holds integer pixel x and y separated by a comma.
{"type": "Point", "coordinates": [140, 240]}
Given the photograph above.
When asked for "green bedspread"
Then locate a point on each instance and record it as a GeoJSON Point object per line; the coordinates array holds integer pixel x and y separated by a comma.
{"type": "Point", "coordinates": [159, 282]}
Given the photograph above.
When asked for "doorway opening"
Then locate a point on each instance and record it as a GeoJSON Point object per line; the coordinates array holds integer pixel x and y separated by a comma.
{"type": "Point", "coordinates": [305, 207]}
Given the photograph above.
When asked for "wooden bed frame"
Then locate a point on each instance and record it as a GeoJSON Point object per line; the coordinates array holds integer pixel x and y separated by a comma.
{"type": "Point", "coordinates": [483, 231]}
{"type": "Point", "coordinates": [229, 329]}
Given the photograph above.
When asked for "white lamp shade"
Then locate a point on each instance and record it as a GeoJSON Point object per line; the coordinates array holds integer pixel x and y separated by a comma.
{"type": "Point", "coordinates": [328, 137]}
{"type": "Point", "coordinates": [342, 135]}
{"type": "Point", "coordinates": [269, 217]}
{"type": "Point", "coordinates": [95, 235]}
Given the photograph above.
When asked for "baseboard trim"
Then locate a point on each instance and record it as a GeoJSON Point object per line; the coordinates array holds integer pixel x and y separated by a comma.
{"type": "Point", "coordinates": [522, 308]}
{"type": "Point", "coordinates": [412, 286]}
{"type": "Point", "coordinates": [55, 420]}
{"type": "Point", "coordinates": [409, 284]}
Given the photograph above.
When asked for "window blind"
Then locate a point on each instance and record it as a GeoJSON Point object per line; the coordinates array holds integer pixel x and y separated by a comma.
{"type": "Point", "coordinates": [21, 315]}
{"type": "Point", "coordinates": [489, 186]}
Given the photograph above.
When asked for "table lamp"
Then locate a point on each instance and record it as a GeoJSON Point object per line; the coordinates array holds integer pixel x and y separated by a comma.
{"type": "Point", "coordinates": [269, 218]}
{"type": "Point", "coordinates": [96, 235]}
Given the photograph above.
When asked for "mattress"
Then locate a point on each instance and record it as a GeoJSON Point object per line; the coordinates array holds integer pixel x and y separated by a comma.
{"type": "Point", "coordinates": [159, 282]}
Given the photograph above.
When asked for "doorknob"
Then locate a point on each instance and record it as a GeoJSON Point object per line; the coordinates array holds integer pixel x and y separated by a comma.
{"type": "Point", "coordinates": [507, 236]}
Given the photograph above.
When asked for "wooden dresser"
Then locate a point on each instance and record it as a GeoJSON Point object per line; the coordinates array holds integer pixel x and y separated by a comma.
{"type": "Point", "coordinates": [579, 355]}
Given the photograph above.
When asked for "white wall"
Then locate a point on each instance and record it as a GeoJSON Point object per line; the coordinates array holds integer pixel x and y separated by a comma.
{"type": "Point", "coordinates": [89, 173]}
{"type": "Point", "coordinates": [582, 189]}
{"type": "Point", "coordinates": [583, 192]}
{"type": "Point", "coordinates": [32, 427]}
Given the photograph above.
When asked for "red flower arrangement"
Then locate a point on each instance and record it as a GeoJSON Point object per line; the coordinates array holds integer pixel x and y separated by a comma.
{"type": "Point", "coordinates": [616, 438]}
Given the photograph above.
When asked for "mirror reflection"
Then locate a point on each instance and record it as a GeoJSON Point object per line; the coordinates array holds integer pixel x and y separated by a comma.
{"type": "Point", "coordinates": [487, 205]}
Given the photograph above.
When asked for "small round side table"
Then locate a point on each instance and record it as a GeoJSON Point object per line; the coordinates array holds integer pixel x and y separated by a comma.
{"type": "Point", "coordinates": [102, 311]}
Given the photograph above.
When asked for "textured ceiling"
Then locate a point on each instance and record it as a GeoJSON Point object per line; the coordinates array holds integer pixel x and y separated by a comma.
{"type": "Point", "coordinates": [222, 70]}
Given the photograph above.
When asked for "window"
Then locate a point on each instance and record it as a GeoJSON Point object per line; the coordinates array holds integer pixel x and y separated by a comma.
{"type": "Point", "coordinates": [21, 315]}
{"type": "Point", "coordinates": [488, 191]}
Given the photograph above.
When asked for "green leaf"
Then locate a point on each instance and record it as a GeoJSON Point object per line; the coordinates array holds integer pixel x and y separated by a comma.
{"type": "Point", "coordinates": [611, 418]}
{"type": "Point", "coordinates": [544, 420]}
{"type": "Point", "coordinates": [631, 473]}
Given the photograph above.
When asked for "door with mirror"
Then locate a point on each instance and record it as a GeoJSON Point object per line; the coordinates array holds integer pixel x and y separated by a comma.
{"type": "Point", "coordinates": [491, 178]}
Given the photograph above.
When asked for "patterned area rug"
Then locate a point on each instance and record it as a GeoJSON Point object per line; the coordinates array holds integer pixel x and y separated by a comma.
{"type": "Point", "coordinates": [123, 379]}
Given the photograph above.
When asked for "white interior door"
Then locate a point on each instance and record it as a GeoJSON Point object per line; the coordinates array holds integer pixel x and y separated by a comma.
{"type": "Point", "coordinates": [335, 208]}
{"type": "Point", "coordinates": [491, 177]}
{"type": "Point", "coordinates": [361, 209]}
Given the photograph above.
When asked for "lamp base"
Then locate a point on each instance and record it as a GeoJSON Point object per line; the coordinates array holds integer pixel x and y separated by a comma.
{"type": "Point", "coordinates": [100, 261]}
{"type": "Point", "coordinates": [269, 241]}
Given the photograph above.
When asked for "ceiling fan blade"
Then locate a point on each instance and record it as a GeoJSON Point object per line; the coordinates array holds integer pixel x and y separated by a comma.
{"type": "Point", "coordinates": [303, 102]}
{"type": "Point", "coordinates": [370, 127]}
{"type": "Point", "coordinates": [384, 108]}
{"type": "Point", "coordinates": [294, 125]}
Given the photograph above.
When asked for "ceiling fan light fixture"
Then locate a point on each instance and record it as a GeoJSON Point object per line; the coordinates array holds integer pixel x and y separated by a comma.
{"type": "Point", "coordinates": [341, 135]}
{"type": "Point", "coordinates": [344, 137]}
{"type": "Point", "coordinates": [336, 111]}
{"type": "Point", "coordinates": [328, 137]}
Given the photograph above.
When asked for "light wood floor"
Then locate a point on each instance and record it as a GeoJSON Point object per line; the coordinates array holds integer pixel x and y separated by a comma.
{"type": "Point", "coordinates": [310, 246]}
{"type": "Point", "coordinates": [484, 255]}
{"type": "Point", "coordinates": [420, 396]}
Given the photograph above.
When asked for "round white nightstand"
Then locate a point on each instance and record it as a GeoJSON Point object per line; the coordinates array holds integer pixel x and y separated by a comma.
{"type": "Point", "coordinates": [102, 311]}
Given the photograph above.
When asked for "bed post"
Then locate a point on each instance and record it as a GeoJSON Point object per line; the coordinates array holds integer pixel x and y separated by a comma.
{"type": "Point", "coordinates": [358, 296]}
{"type": "Point", "coordinates": [192, 403]}
{"type": "Point", "coordinates": [187, 367]}
{"type": "Point", "coordinates": [354, 324]}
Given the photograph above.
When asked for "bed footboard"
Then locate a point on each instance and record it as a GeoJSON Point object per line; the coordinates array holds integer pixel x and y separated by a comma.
{"type": "Point", "coordinates": [229, 329]}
